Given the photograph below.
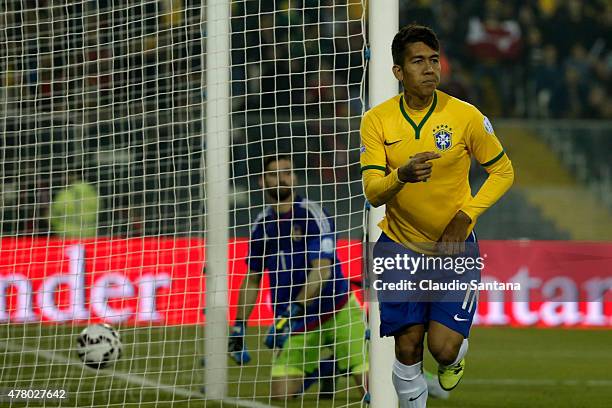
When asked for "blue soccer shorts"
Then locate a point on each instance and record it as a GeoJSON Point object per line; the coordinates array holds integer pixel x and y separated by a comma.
{"type": "Point", "coordinates": [456, 312]}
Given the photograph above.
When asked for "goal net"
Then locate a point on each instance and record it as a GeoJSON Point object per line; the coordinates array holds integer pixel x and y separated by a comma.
{"type": "Point", "coordinates": [104, 194]}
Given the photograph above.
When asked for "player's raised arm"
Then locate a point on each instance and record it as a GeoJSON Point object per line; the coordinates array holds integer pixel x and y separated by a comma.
{"type": "Point", "coordinates": [379, 184]}
{"type": "Point", "coordinates": [380, 188]}
{"type": "Point", "coordinates": [417, 168]}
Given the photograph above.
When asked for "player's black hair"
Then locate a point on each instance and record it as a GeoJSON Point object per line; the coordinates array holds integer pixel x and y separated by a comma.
{"type": "Point", "coordinates": [409, 34]}
{"type": "Point", "coordinates": [275, 157]}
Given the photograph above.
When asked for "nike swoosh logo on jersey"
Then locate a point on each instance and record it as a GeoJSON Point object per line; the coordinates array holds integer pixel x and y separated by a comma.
{"type": "Point", "coordinates": [458, 319]}
{"type": "Point", "coordinates": [417, 397]}
{"type": "Point", "coordinates": [391, 143]}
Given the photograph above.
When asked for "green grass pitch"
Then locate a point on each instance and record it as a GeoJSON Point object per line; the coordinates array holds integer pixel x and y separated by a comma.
{"type": "Point", "coordinates": [505, 368]}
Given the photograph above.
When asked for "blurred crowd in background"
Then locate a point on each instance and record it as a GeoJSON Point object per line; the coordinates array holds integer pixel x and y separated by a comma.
{"type": "Point", "coordinates": [515, 58]}
{"type": "Point", "coordinates": [524, 58]}
{"type": "Point", "coordinates": [114, 93]}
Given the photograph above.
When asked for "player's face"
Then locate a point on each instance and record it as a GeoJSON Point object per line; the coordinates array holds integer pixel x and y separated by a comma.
{"type": "Point", "coordinates": [420, 72]}
{"type": "Point", "coordinates": [278, 180]}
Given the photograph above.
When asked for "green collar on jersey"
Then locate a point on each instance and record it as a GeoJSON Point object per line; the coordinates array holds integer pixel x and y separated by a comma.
{"type": "Point", "coordinates": [417, 129]}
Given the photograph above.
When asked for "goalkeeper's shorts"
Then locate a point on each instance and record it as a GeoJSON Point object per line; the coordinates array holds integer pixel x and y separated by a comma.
{"type": "Point", "coordinates": [343, 336]}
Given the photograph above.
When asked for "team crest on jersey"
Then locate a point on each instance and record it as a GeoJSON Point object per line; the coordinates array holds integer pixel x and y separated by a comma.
{"type": "Point", "coordinates": [297, 234]}
{"type": "Point", "coordinates": [443, 137]}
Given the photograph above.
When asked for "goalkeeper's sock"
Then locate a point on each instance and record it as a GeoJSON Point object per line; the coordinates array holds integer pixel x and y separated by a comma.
{"type": "Point", "coordinates": [410, 385]}
{"type": "Point", "coordinates": [326, 370]}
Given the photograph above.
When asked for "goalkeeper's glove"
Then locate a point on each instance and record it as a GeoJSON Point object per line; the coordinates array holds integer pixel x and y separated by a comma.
{"type": "Point", "coordinates": [236, 346]}
{"type": "Point", "coordinates": [283, 326]}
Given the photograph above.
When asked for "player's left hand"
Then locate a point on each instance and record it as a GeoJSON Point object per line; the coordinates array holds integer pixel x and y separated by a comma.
{"type": "Point", "coordinates": [452, 241]}
{"type": "Point", "coordinates": [281, 329]}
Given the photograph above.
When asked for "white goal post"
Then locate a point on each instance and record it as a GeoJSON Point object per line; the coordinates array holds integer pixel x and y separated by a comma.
{"type": "Point", "coordinates": [383, 24]}
{"type": "Point", "coordinates": [382, 27]}
{"type": "Point", "coordinates": [217, 175]}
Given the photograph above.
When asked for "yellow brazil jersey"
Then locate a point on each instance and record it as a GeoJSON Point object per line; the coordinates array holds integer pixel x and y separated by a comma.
{"type": "Point", "coordinates": [419, 212]}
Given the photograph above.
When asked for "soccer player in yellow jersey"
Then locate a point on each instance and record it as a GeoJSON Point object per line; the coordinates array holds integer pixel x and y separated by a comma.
{"type": "Point", "coordinates": [415, 158]}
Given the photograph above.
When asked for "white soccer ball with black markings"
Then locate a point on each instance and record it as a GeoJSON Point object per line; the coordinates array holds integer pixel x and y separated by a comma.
{"type": "Point", "coordinates": [99, 345]}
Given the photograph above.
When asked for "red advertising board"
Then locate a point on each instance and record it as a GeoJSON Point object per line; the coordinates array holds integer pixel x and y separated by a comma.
{"type": "Point", "coordinates": [162, 281]}
{"type": "Point", "coordinates": [563, 283]}
{"type": "Point", "coordinates": [113, 280]}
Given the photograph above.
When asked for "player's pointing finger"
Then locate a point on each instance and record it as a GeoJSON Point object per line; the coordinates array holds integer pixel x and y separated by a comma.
{"type": "Point", "coordinates": [425, 156]}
